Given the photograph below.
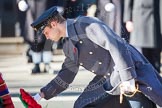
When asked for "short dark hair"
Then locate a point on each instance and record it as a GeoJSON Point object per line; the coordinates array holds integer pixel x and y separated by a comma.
{"type": "Point", "coordinates": [57, 17]}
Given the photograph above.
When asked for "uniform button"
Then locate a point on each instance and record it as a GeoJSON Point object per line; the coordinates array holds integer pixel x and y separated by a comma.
{"type": "Point", "coordinates": [90, 53]}
{"type": "Point", "coordinates": [108, 74]}
{"type": "Point", "coordinates": [81, 64]}
{"type": "Point", "coordinates": [93, 71]}
{"type": "Point", "coordinates": [80, 42]}
{"type": "Point", "coordinates": [100, 63]}
{"type": "Point", "coordinates": [149, 88]}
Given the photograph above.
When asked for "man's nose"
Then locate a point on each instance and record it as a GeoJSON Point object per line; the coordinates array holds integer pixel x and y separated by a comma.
{"type": "Point", "coordinates": [47, 37]}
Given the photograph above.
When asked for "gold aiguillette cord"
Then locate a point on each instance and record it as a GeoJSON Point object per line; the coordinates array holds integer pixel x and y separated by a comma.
{"type": "Point", "coordinates": [131, 95]}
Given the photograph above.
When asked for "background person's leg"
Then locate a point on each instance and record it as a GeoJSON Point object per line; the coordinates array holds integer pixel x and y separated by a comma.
{"type": "Point", "coordinates": [47, 58]}
{"type": "Point", "coordinates": [36, 57]}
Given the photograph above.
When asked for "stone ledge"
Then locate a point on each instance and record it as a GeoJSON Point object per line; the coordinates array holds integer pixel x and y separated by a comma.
{"type": "Point", "coordinates": [16, 45]}
{"type": "Point", "coordinates": [58, 52]}
{"type": "Point", "coordinates": [11, 40]}
{"type": "Point", "coordinates": [12, 45]}
{"type": "Point", "coordinates": [7, 49]}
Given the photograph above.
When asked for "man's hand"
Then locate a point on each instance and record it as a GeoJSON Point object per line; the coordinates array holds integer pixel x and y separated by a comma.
{"type": "Point", "coordinates": [127, 86]}
{"type": "Point", "coordinates": [129, 26]}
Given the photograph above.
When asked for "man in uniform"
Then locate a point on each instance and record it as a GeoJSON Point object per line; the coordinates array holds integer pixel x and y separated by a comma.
{"type": "Point", "coordinates": [118, 66]}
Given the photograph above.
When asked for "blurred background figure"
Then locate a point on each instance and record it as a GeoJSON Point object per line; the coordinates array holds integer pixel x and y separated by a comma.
{"type": "Point", "coordinates": [142, 21]}
{"type": "Point", "coordinates": [111, 12]}
{"type": "Point", "coordinates": [71, 8]}
{"type": "Point", "coordinates": [39, 48]}
{"type": "Point", "coordinates": [160, 5]}
{"type": "Point", "coordinates": [75, 8]}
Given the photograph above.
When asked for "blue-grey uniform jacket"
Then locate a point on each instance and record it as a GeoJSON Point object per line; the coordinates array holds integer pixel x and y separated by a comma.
{"type": "Point", "coordinates": [97, 48]}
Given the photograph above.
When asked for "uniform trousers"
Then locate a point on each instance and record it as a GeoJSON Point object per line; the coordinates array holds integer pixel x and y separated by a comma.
{"type": "Point", "coordinates": [137, 101]}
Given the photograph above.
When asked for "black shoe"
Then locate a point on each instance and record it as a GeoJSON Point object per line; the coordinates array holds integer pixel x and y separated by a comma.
{"type": "Point", "coordinates": [36, 69]}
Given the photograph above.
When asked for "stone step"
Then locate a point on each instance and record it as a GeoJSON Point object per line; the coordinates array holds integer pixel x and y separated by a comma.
{"type": "Point", "coordinates": [11, 40]}
{"type": "Point", "coordinates": [16, 45]}
{"type": "Point", "coordinates": [12, 45]}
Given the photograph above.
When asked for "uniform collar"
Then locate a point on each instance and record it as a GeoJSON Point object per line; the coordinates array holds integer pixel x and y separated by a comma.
{"type": "Point", "coordinates": [70, 31]}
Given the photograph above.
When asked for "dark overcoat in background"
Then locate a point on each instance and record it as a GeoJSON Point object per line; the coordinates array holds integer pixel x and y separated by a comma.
{"type": "Point", "coordinates": [93, 45]}
{"type": "Point", "coordinates": [160, 5]}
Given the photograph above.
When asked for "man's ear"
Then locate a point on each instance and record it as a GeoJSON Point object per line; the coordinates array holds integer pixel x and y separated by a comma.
{"type": "Point", "coordinates": [54, 24]}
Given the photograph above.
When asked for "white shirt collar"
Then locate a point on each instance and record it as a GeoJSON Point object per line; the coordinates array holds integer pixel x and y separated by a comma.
{"type": "Point", "coordinates": [66, 31]}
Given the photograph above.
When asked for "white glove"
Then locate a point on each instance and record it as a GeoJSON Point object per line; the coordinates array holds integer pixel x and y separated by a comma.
{"type": "Point", "coordinates": [37, 97]}
{"type": "Point", "coordinates": [22, 5]}
{"type": "Point", "coordinates": [109, 7]}
{"type": "Point", "coordinates": [127, 86]}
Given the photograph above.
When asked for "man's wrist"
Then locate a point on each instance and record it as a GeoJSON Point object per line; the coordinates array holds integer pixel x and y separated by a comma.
{"type": "Point", "coordinates": [41, 94]}
{"type": "Point", "coordinates": [37, 97]}
{"type": "Point", "coordinates": [128, 86]}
